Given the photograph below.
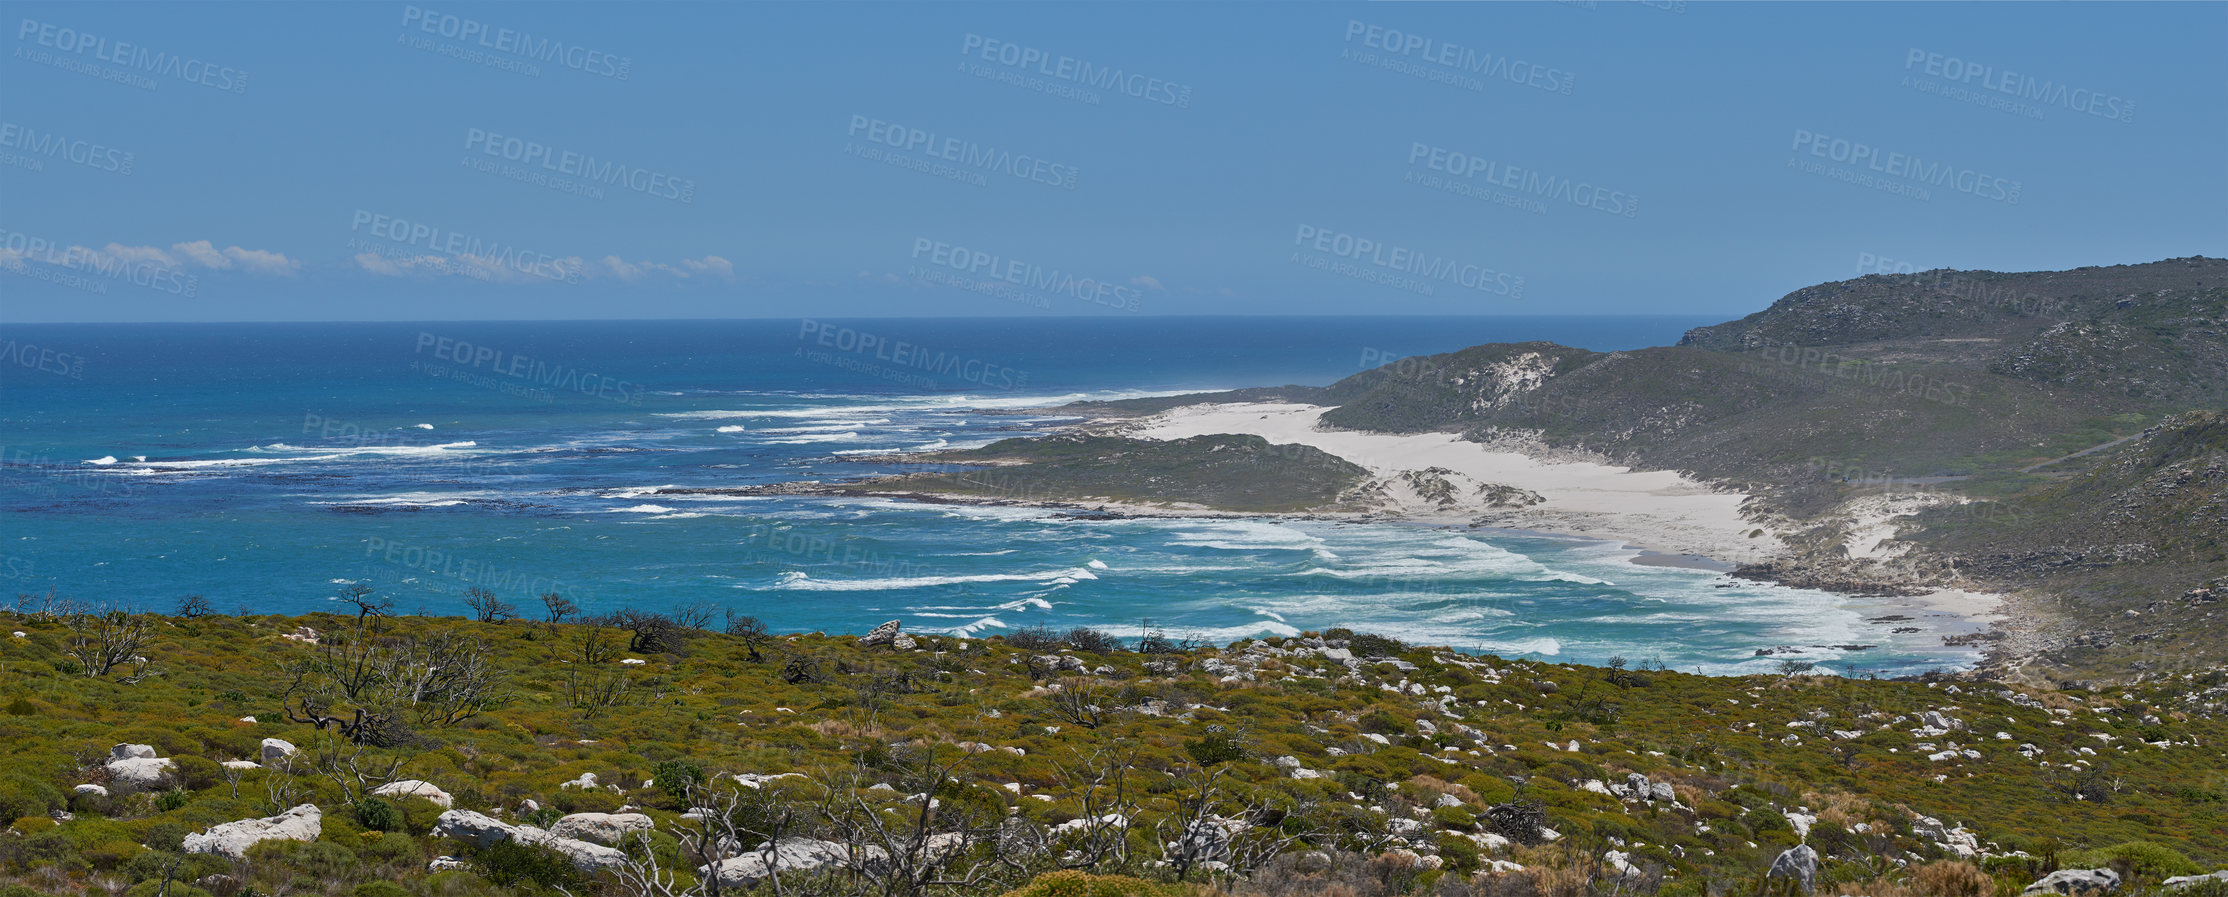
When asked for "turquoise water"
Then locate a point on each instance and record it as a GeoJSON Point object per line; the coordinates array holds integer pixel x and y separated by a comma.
{"type": "Point", "coordinates": [266, 466]}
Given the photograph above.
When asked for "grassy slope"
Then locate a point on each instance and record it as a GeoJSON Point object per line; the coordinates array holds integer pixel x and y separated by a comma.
{"type": "Point", "coordinates": [1726, 743]}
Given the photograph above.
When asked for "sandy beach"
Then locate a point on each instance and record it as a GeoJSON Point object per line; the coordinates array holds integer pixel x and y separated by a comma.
{"type": "Point", "coordinates": [1671, 518]}
{"type": "Point", "coordinates": [1659, 510]}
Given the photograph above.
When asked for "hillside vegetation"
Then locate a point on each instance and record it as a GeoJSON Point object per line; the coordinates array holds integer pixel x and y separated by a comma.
{"type": "Point", "coordinates": [621, 755]}
{"type": "Point", "coordinates": [1226, 472]}
{"type": "Point", "coordinates": [1981, 399]}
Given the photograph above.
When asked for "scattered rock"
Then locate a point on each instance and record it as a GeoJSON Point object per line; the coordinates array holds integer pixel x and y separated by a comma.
{"type": "Point", "coordinates": [134, 768]}
{"type": "Point", "coordinates": [92, 790]}
{"type": "Point", "coordinates": [882, 635]}
{"type": "Point", "coordinates": [2182, 881]}
{"type": "Point", "coordinates": [278, 752]}
{"type": "Point", "coordinates": [232, 839]}
{"type": "Point", "coordinates": [416, 788]}
{"type": "Point", "coordinates": [1798, 862]}
{"type": "Point", "coordinates": [465, 825]}
{"type": "Point", "coordinates": [602, 828]}
{"type": "Point", "coordinates": [2076, 882]}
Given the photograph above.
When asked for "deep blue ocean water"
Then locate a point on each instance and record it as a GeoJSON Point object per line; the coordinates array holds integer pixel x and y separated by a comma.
{"type": "Point", "coordinates": [265, 466]}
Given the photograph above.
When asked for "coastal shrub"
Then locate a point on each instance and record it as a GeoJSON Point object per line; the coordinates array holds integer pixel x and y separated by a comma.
{"type": "Point", "coordinates": [1076, 883]}
{"type": "Point", "coordinates": [1364, 644]}
{"type": "Point", "coordinates": [1091, 641]}
{"type": "Point", "coordinates": [511, 864]}
{"type": "Point", "coordinates": [375, 814]}
{"type": "Point", "coordinates": [1035, 638]}
{"type": "Point", "coordinates": [380, 889]}
{"type": "Point", "coordinates": [1951, 878]}
{"type": "Point", "coordinates": [320, 861]}
{"type": "Point", "coordinates": [418, 814]}
{"type": "Point", "coordinates": [22, 796]}
{"type": "Point", "coordinates": [196, 772]}
{"type": "Point", "coordinates": [675, 778]}
{"type": "Point", "coordinates": [2144, 858]}
{"type": "Point", "coordinates": [154, 887]}
{"type": "Point", "coordinates": [586, 800]}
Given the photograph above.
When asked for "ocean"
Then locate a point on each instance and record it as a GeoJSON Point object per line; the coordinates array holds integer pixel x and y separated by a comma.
{"type": "Point", "coordinates": [267, 466]}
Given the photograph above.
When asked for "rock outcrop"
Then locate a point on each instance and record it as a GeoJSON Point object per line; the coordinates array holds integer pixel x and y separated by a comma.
{"type": "Point", "coordinates": [882, 635]}
{"type": "Point", "coordinates": [602, 828]}
{"type": "Point", "coordinates": [2076, 883]}
{"type": "Point", "coordinates": [1798, 862]}
{"type": "Point", "coordinates": [278, 752]}
{"type": "Point", "coordinates": [416, 788]}
{"type": "Point", "coordinates": [465, 825]}
{"type": "Point", "coordinates": [133, 768]}
{"type": "Point", "coordinates": [232, 839]}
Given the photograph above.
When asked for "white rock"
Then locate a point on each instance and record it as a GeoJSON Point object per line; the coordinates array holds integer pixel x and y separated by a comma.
{"type": "Point", "coordinates": [242, 764]}
{"type": "Point", "coordinates": [94, 790]}
{"type": "Point", "coordinates": [2076, 882]}
{"type": "Point", "coordinates": [465, 825]}
{"type": "Point", "coordinates": [444, 864]}
{"type": "Point", "coordinates": [416, 788]}
{"type": "Point", "coordinates": [135, 774]}
{"type": "Point", "coordinates": [233, 839]}
{"type": "Point", "coordinates": [586, 780]}
{"type": "Point", "coordinates": [132, 752]}
{"type": "Point", "coordinates": [602, 828]}
{"type": "Point", "coordinates": [278, 751]}
{"type": "Point", "coordinates": [2183, 881]}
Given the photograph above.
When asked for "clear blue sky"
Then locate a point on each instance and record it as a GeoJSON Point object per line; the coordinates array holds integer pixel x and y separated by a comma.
{"type": "Point", "coordinates": [1758, 148]}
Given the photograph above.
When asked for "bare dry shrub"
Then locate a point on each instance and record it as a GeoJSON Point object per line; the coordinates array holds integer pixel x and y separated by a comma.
{"type": "Point", "coordinates": [1952, 878]}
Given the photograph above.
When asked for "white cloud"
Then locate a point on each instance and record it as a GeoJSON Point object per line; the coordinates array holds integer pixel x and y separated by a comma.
{"type": "Point", "coordinates": [258, 261]}
{"type": "Point", "coordinates": [713, 265]}
{"type": "Point", "coordinates": [198, 253]}
{"type": "Point", "coordinates": [201, 252]}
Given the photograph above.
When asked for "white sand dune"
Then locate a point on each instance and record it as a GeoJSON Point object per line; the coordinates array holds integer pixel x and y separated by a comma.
{"type": "Point", "coordinates": [1659, 510]}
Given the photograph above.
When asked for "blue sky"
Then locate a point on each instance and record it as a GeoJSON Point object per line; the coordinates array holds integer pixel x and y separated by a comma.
{"type": "Point", "coordinates": [361, 161]}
